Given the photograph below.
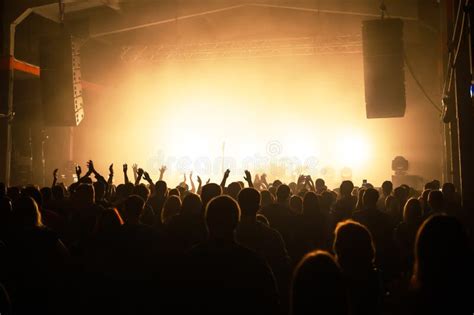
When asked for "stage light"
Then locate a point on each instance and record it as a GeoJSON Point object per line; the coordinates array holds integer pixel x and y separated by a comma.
{"type": "Point", "coordinates": [399, 165]}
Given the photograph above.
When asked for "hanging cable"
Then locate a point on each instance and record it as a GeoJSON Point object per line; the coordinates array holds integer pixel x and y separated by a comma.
{"type": "Point", "coordinates": [420, 86]}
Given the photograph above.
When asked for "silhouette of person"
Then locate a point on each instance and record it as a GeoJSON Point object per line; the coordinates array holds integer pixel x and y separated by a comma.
{"type": "Point", "coordinates": [379, 225]}
{"type": "Point", "coordinates": [233, 189]}
{"type": "Point", "coordinates": [225, 277]}
{"type": "Point", "coordinates": [435, 202]}
{"type": "Point", "coordinates": [355, 254]}
{"type": "Point", "coordinates": [279, 214]}
{"type": "Point", "coordinates": [405, 233]}
{"type": "Point", "coordinates": [387, 188]}
{"type": "Point", "coordinates": [38, 261]}
{"type": "Point", "coordinates": [442, 276]}
{"type": "Point", "coordinates": [208, 192]}
{"type": "Point", "coordinates": [346, 203]}
{"type": "Point", "coordinates": [171, 208]}
{"type": "Point", "coordinates": [187, 228]}
{"type": "Point", "coordinates": [148, 215]}
{"type": "Point", "coordinates": [267, 199]}
{"type": "Point", "coordinates": [263, 239]}
{"type": "Point", "coordinates": [296, 204]}
{"type": "Point", "coordinates": [140, 259]}
{"type": "Point", "coordinates": [318, 286]}
{"type": "Point", "coordinates": [452, 200]}
{"type": "Point", "coordinates": [157, 200]}
{"type": "Point", "coordinates": [311, 230]}
{"type": "Point", "coordinates": [320, 186]}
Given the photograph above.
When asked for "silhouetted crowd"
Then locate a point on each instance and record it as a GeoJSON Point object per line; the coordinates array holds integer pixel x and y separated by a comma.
{"type": "Point", "coordinates": [246, 247]}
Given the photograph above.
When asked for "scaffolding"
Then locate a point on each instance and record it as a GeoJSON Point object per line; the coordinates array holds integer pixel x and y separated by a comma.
{"type": "Point", "coordinates": [244, 49]}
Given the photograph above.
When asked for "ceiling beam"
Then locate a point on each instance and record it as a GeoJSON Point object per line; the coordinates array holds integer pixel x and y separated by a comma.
{"type": "Point", "coordinates": [255, 5]}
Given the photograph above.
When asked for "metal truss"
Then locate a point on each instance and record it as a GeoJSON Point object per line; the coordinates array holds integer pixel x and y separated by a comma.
{"type": "Point", "coordinates": [245, 49]}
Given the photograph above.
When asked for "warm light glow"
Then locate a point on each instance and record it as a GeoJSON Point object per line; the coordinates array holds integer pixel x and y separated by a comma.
{"type": "Point", "coordinates": [353, 150]}
{"type": "Point", "coordinates": [283, 117]}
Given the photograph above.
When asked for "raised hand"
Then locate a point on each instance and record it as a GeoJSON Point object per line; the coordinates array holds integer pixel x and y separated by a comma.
{"type": "Point", "coordinates": [310, 182]}
{"type": "Point", "coordinates": [226, 173]}
{"type": "Point", "coordinates": [90, 166]}
{"type": "Point", "coordinates": [138, 175]}
{"type": "Point", "coordinates": [162, 171]}
{"type": "Point", "coordinates": [199, 180]}
{"type": "Point", "coordinates": [224, 178]}
{"type": "Point", "coordinates": [248, 178]}
{"type": "Point", "coordinates": [208, 181]}
{"type": "Point", "coordinates": [184, 178]}
{"type": "Point", "coordinates": [263, 181]}
{"type": "Point", "coordinates": [55, 177]}
{"type": "Point", "coordinates": [256, 182]}
{"type": "Point", "coordinates": [135, 167]}
{"type": "Point", "coordinates": [111, 174]}
{"type": "Point", "coordinates": [125, 175]}
{"type": "Point", "coordinates": [193, 187]}
{"type": "Point", "coordinates": [301, 179]}
{"type": "Point", "coordinates": [147, 177]}
{"type": "Point", "coordinates": [78, 171]}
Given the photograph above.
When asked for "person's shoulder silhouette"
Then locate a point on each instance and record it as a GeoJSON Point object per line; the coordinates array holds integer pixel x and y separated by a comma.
{"type": "Point", "coordinates": [318, 286]}
{"type": "Point", "coordinates": [355, 252]}
{"type": "Point", "coordinates": [443, 274]}
{"type": "Point", "coordinates": [230, 278]}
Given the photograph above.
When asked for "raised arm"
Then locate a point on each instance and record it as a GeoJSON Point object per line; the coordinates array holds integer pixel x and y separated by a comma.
{"type": "Point", "coordinates": [79, 172]}
{"type": "Point", "coordinates": [125, 175]}
{"type": "Point", "coordinates": [301, 182]}
{"type": "Point", "coordinates": [263, 180]}
{"type": "Point", "coordinates": [55, 177]}
{"type": "Point", "coordinates": [224, 178]}
{"type": "Point", "coordinates": [256, 182]}
{"type": "Point", "coordinates": [139, 176]}
{"type": "Point", "coordinates": [199, 185]}
{"type": "Point", "coordinates": [135, 172]}
{"type": "Point", "coordinates": [310, 183]}
{"type": "Point", "coordinates": [147, 177]}
{"type": "Point", "coordinates": [193, 187]}
{"type": "Point", "coordinates": [92, 170]}
{"type": "Point", "coordinates": [111, 174]}
{"type": "Point", "coordinates": [162, 171]}
{"type": "Point", "coordinates": [248, 178]}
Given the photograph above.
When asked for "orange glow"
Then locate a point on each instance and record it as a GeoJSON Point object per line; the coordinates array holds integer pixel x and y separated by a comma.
{"type": "Point", "coordinates": [282, 117]}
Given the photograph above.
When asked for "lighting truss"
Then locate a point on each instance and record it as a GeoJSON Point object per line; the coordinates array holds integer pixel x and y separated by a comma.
{"type": "Point", "coordinates": [244, 49]}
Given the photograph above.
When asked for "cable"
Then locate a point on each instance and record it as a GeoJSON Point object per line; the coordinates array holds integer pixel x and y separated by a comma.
{"type": "Point", "coordinates": [452, 55]}
{"type": "Point", "coordinates": [422, 89]}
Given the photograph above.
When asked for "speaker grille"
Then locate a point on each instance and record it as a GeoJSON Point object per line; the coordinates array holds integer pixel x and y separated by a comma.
{"type": "Point", "coordinates": [384, 76]}
{"type": "Point", "coordinates": [61, 86]}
